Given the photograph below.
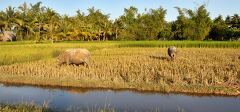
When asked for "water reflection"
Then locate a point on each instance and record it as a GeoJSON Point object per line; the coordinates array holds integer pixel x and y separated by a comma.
{"type": "Point", "coordinates": [123, 100]}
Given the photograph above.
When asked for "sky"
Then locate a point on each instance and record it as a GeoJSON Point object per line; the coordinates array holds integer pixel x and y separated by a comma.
{"type": "Point", "coordinates": [115, 8]}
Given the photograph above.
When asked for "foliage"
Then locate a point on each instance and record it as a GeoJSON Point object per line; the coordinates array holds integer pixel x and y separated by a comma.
{"type": "Point", "coordinates": [40, 23]}
{"type": "Point", "coordinates": [195, 26]}
{"type": "Point", "coordinates": [219, 29]}
{"type": "Point", "coordinates": [225, 30]}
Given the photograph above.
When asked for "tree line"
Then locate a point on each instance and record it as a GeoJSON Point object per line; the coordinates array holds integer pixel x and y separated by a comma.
{"type": "Point", "coordinates": [40, 23]}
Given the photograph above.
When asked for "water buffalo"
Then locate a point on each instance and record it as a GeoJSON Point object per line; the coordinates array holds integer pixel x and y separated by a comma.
{"type": "Point", "coordinates": [172, 51]}
{"type": "Point", "coordinates": [75, 56]}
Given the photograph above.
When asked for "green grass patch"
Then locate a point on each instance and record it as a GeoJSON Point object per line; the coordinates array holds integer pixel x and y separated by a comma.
{"type": "Point", "coordinates": [181, 44]}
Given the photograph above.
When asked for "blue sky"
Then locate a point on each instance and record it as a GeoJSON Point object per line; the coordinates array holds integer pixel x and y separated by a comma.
{"type": "Point", "coordinates": [115, 7]}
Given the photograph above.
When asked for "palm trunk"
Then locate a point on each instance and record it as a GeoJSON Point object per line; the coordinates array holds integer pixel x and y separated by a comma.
{"type": "Point", "coordinates": [116, 36]}
{"type": "Point", "coordinates": [27, 34]}
{"type": "Point", "coordinates": [21, 35]}
{"type": "Point", "coordinates": [51, 34]}
{"type": "Point", "coordinates": [104, 36]}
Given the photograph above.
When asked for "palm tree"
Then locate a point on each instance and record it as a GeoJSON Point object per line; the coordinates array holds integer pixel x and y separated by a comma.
{"type": "Point", "coordinates": [235, 20]}
{"type": "Point", "coordinates": [7, 18]}
{"type": "Point", "coordinates": [3, 21]}
{"type": "Point", "coordinates": [10, 16]}
{"type": "Point", "coordinates": [52, 22]}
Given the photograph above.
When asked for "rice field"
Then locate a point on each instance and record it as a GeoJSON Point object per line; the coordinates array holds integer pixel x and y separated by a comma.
{"type": "Point", "coordinates": [24, 51]}
{"type": "Point", "coordinates": [117, 66]}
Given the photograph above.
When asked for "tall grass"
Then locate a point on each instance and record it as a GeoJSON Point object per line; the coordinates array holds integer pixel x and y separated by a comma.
{"type": "Point", "coordinates": [181, 44]}
{"type": "Point", "coordinates": [23, 108]}
{"type": "Point", "coordinates": [197, 44]}
{"type": "Point", "coordinates": [36, 108]}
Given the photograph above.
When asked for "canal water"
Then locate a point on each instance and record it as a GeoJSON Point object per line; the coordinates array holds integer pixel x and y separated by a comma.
{"type": "Point", "coordinates": [92, 99]}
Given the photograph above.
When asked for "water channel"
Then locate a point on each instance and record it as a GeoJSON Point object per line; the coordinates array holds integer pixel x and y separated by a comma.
{"type": "Point", "coordinates": [67, 99]}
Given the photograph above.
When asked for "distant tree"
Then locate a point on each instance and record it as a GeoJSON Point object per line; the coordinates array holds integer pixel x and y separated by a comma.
{"type": "Point", "coordinates": [153, 22]}
{"type": "Point", "coordinates": [219, 29]}
{"type": "Point", "coordinates": [118, 28]}
{"type": "Point", "coordinates": [40, 23]}
{"type": "Point", "coordinates": [8, 18]}
{"type": "Point", "coordinates": [166, 33]}
{"type": "Point", "coordinates": [145, 26]}
{"type": "Point", "coordinates": [233, 30]}
{"type": "Point", "coordinates": [228, 20]}
{"type": "Point", "coordinates": [129, 23]}
{"type": "Point", "coordinates": [36, 13]}
{"type": "Point", "coordinates": [235, 21]}
{"type": "Point", "coordinates": [195, 26]}
{"type": "Point", "coordinates": [51, 24]}
{"type": "Point", "coordinates": [183, 26]}
{"type": "Point", "coordinates": [3, 21]}
{"type": "Point", "coordinates": [202, 22]}
{"type": "Point", "coordinates": [99, 22]}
